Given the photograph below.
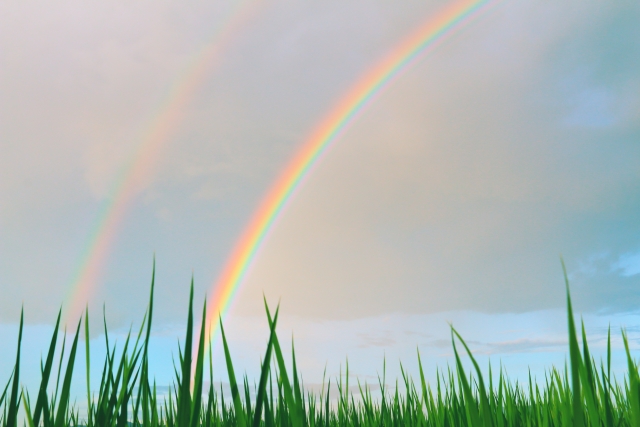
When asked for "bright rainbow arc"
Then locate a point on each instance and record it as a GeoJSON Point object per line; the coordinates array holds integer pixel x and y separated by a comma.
{"type": "Point", "coordinates": [133, 175]}
{"type": "Point", "coordinates": [425, 38]}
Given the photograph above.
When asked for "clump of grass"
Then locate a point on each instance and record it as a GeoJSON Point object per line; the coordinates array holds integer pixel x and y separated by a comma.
{"type": "Point", "coordinates": [582, 395]}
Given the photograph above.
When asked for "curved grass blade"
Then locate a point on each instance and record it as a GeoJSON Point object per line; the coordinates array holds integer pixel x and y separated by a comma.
{"type": "Point", "coordinates": [235, 394]}
{"type": "Point", "coordinates": [484, 401]}
{"type": "Point", "coordinates": [471, 408]}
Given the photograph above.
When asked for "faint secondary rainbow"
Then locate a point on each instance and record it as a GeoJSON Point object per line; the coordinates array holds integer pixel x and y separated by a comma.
{"type": "Point", "coordinates": [133, 175]}
{"type": "Point", "coordinates": [433, 31]}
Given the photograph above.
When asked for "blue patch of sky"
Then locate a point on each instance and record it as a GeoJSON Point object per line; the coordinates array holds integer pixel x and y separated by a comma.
{"type": "Point", "coordinates": [627, 265]}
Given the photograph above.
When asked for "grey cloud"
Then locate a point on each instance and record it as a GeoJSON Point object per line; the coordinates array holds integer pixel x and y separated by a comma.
{"type": "Point", "coordinates": [415, 333]}
{"type": "Point", "coordinates": [462, 185]}
{"type": "Point", "coordinates": [512, 142]}
{"type": "Point", "coordinates": [524, 345]}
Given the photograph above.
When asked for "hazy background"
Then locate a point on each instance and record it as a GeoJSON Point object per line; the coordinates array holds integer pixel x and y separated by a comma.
{"type": "Point", "coordinates": [451, 198]}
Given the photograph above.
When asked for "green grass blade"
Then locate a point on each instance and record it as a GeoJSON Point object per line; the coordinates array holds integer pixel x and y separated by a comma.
{"type": "Point", "coordinates": [88, 366]}
{"type": "Point", "coordinates": [235, 394]}
{"type": "Point", "coordinates": [471, 408]}
{"type": "Point", "coordinates": [575, 358]}
{"type": "Point", "coordinates": [184, 392]}
{"type": "Point", "coordinates": [292, 405]}
{"type": "Point", "coordinates": [634, 385]}
{"type": "Point", "coordinates": [199, 371]}
{"type": "Point", "coordinates": [46, 373]}
{"type": "Point", "coordinates": [264, 374]}
{"type": "Point", "coordinates": [423, 383]}
{"type": "Point", "coordinates": [27, 409]}
{"type": "Point", "coordinates": [6, 387]}
{"type": "Point", "coordinates": [588, 381]}
{"type": "Point", "coordinates": [296, 383]}
{"type": "Point", "coordinates": [12, 416]}
{"type": "Point", "coordinates": [63, 403]}
{"type": "Point", "coordinates": [484, 401]}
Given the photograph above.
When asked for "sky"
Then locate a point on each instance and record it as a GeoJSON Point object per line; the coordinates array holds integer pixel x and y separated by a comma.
{"type": "Point", "coordinates": [450, 198]}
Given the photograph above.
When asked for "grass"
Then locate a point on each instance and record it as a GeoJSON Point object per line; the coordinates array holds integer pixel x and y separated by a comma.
{"type": "Point", "coordinates": [582, 394]}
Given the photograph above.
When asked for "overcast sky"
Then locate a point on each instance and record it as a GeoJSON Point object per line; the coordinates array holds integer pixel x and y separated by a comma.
{"type": "Point", "coordinates": [515, 141]}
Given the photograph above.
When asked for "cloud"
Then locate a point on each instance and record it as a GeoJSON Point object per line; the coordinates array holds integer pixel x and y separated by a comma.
{"type": "Point", "coordinates": [512, 142]}
{"type": "Point", "coordinates": [384, 339]}
{"type": "Point", "coordinates": [463, 183]}
{"type": "Point", "coordinates": [524, 346]}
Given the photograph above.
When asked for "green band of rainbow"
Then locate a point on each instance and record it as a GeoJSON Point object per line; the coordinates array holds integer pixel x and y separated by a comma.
{"type": "Point", "coordinates": [426, 37]}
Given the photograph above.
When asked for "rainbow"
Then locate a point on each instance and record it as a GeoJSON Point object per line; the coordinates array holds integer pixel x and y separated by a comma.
{"type": "Point", "coordinates": [133, 176]}
{"type": "Point", "coordinates": [427, 37]}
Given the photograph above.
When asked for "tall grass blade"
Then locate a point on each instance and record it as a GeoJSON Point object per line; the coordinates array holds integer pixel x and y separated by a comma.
{"type": "Point", "coordinates": [633, 385]}
{"type": "Point", "coordinates": [88, 366]}
{"type": "Point", "coordinates": [184, 392]}
{"type": "Point", "coordinates": [12, 415]}
{"type": "Point", "coordinates": [471, 409]}
{"type": "Point", "coordinates": [291, 403]}
{"type": "Point", "coordinates": [61, 416]}
{"type": "Point", "coordinates": [199, 371]}
{"type": "Point", "coordinates": [484, 401]}
{"type": "Point", "coordinates": [235, 394]}
{"type": "Point", "coordinates": [575, 358]}
{"type": "Point", "coordinates": [264, 374]}
{"type": "Point", "coordinates": [46, 373]}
